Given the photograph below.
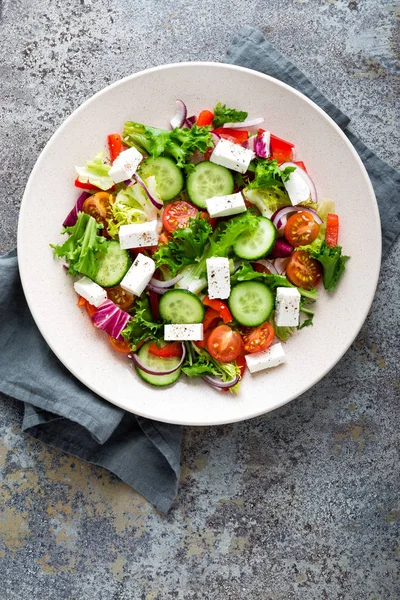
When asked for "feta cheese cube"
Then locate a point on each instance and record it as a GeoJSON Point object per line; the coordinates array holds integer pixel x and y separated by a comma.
{"type": "Point", "coordinates": [272, 357]}
{"type": "Point", "coordinates": [181, 332]}
{"type": "Point", "coordinates": [125, 165]}
{"type": "Point", "coordinates": [219, 277]}
{"type": "Point", "coordinates": [91, 291]}
{"type": "Point", "coordinates": [225, 206]}
{"type": "Point", "coordinates": [232, 156]}
{"type": "Point", "coordinates": [287, 307]}
{"type": "Point", "coordinates": [138, 235]}
{"type": "Point", "coordinates": [139, 275]}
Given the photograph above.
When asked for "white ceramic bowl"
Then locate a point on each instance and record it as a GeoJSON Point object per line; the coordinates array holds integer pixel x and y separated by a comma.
{"type": "Point", "coordinates": [149, 97]}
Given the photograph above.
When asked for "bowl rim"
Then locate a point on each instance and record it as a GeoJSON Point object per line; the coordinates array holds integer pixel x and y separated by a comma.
{"type": "Point", "coordinates": [223, 66]}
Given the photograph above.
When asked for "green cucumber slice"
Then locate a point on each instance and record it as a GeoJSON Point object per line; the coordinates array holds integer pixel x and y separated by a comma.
{"type": "Point", "coordinates": [251, 303]}
{"type": "Point", "coordinates": [113, 265]}
{"type": "Point", "coordinates": [208, 180]}
{"type": "Point", "coordinates": [257, 243]}
{"type": "Point", "coordinates": [168, 176]}
{"type": "Point", "coordinates": [181, 307]}
{"type": "Point", "coordinates": [155, 363]}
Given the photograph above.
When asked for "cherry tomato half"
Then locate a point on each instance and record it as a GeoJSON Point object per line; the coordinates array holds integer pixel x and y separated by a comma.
{"type": "Point", "coordinates": [99, 207]}
{"type": "Point", "coordinates": [177, 214]}
{"type": "Point", "coordinates": [301, 229]}
{"type": "Point", "coordinates": [224, 344]}
{"type": "Point", "coordinates": [120, 345]}
{"type": "Point", "coordinates": [302, 270]}
{"type": "Point", "coordinates": [258, 338]}
{"type": "Point", "coordinates": [120, 297]}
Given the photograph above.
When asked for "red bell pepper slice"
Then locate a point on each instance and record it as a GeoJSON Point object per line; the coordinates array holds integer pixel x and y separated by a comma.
{"type": "Point", "coordinates": [239, 135]}
{"type": "Point", "coordinates": [332, 230]}
{"type": "Point", "coordinates": [115, 145]}
{"type": "Point", "coordinates": [205, 118]}
{"type": "Point", "coordinates": [86, 186]}
{"type": "Point", "coordinates": [220, 307]}
{"type": "Point", "coordinates": [281, 150]}
{"type": "Point", "coordinates": [168, 351]}
{"type": "Point", "coordinates": [300, 164]}
{"type": "Point", "coordinates": [211, 318]}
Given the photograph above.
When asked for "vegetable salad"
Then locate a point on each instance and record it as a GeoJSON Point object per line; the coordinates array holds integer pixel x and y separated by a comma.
{"type": "Point", "coordinates": [199, 249]}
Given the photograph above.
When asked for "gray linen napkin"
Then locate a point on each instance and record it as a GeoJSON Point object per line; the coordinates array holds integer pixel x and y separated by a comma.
{"type": "Point", "coordinates": [62, 412]}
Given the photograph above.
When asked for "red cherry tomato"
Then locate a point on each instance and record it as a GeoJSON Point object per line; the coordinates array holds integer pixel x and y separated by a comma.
{"type": "Point", "coordinates": [224, 344]}
{"type": "Point", "coordinates": [99, 207]}
{"type": "Point", "coordinates": [301, 229]}
{"type": "Point", "coordinates": [302, 270]}
{"type": "Point", "coordinates": [177, 214]}
{"type": "Point", "coordinates": [120, 345]}
{"type": "Point", "coordinates": [258, 338]}
{"type": "Point", "coordinates": [120, 297]}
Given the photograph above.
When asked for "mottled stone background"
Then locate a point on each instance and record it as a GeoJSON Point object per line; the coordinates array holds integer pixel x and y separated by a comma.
{"type": "Point", "coordinates": [301, 503]}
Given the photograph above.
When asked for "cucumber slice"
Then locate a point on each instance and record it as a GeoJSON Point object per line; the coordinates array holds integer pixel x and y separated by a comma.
{"type": "Point", "coordinates": [208, 180]}
{"type": "Point", "coordinates": [168, 176]}
{"type": "Point", "coordinates": [251, 303]}
{"type": "Point", "coordinates": [257, 243]}
{"type": "Point", "coordinates": [181, 306]}
{"type": "Point", "coordinates": [155, 363]}
{"type": "Point", "coordinates": [113, 266]}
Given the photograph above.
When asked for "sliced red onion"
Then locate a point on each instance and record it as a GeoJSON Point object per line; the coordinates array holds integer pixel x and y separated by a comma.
{"type": "Point", "coordinates": [218, 383]}
{"type": "Point", "coordinates": [165, 284]}
{"type": "Point", "coordinates": [262, 144]}
{"type": "Point", "coordinates": [250, 143]}
{"type": "Point", "coordinates": [190, 121]}
{"type": "Point", "coordinates": [280, 216]}
{"type": "Point", "coordinates": [157, 203]}
{"type": "Point", "coordinates": [267, 264]}
{"type": "Point", "coordinates": [72, 217]}
{"type": "Point", "coordinates": [280, 265]}
{"type": "Point", "coordinates": [215, 137]}
{"type": "Point", "coordinates": [306, 178]}
{"type": "Point", "coordinates": [111, 319]}
{"type": "Point", "coordinates": [128, 182]}
{"type": "Point", "coordinates": [156, 289]}
{"type": "Point", "coordinates": [180, 116]}
{"type": "Point", "coordinates": [135, 358]}
{"type": "Point", "coordinates": [244, 124]}
{"type": "Point", "coordinates": [282, 248]}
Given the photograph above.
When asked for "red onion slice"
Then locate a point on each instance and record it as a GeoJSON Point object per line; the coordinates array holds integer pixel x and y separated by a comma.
{"type": "Point", "coordinates": [215, 137]}
{"type": "Point", "coordinates": [280, 216]}
{"type": "Point", "coordinates": [180, 116]}
{"type": "Point", "coordinates": [156, 289]}
{"type": "Point", "coordinates": [267, 264]}
{"type": "Point", "coordinates": [165, 284]}
{"type": "Point", "coordinates": [190, 121]}
{"type": "Point", "coordinates": [306, 178]}
{"type": "Point", "coordinates": [280, 265]}
{"type": "Point", "coordinates": [250, 143]}
{"type": "Point", "coordinates": [72, 216]}
{"type": "Point", "coordinates": [136, 360]}
{"type": "Point", "coordinates": [244, 124]}
{"type": "Point", "coordinates": [157, 203]}
{"type": "Point", "coordinates": [218, 383]}
{"type": "Point", "coordinates": [282, 248]}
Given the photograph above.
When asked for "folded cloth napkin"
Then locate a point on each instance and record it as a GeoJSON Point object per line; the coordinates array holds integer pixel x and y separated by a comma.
{"type": "Point", "coordinates": [62, 412]}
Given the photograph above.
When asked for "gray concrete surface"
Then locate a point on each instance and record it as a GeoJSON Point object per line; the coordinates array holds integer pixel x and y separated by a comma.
{"type": "Point", "coordinates": [302, 503]}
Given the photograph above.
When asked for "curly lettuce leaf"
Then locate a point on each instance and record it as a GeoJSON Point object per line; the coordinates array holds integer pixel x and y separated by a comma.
{"type": "Point", "coordinates": [96, 172]}
{"type": "Point", "coordinates": [83, 249]}
{"type": "Point", "coordinates": [142, 325]}
{"type": "Point", "coordinates": [223, 114]}
{"type": "Point", "coordinates": [131, 206]}
{"type": "Point", "coordinates": [333, 263]}
{"type": "Point", "coordinates": [267, 200]}
{"type": "Point", "coordinates": [179, 144]}
{"type": "Point", "coordinates": [202, 363]}
{"type": "Point", "coordinates": [267, 173]}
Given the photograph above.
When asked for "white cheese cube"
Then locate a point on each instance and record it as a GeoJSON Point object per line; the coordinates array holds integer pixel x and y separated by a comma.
{"type": "Point", "coordinates": [125, 165]}
{"type": "Point", "coordinates": [91, 291]}
{"type": "Point", "coordinates": [139, 275]}
{"type": "Point", "coordinates": [181, 332]}
{"type": "Point", "coordinates": [225, 206]}
{"type": "Point", "coordinates": [138, 235]}
{"type": "Point", "coordinates": [219, 277]}
{"type": "Point", "coordinates": [232, 156]}
{"type": "Point", "coordinates": [287, 307]}
{"type": "Point", "coordinates": [272, 357]}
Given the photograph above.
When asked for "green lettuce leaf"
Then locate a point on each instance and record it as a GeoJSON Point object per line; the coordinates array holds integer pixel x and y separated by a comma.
{"type": "Point", "coordinates": [333, 264]}
{"type": "Point", "coordinates": [96, 172]}
{"type": "Point", "coordinates": [179, 144]}
{"type": "Point", "coordinates": [131, 206]}
{"type": "Point", "coordinates": [83, 248]}
{"type": "Point", "coordinates": [267, 173]}
{"type": "Point", "coordinates": [267, 200]}
{"type": "Point", "coordinates": [142, 325]}
{"type": "Point", "coordinates": [202, 363]}
{"type": "Point", "coordinates": [223, 114]}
